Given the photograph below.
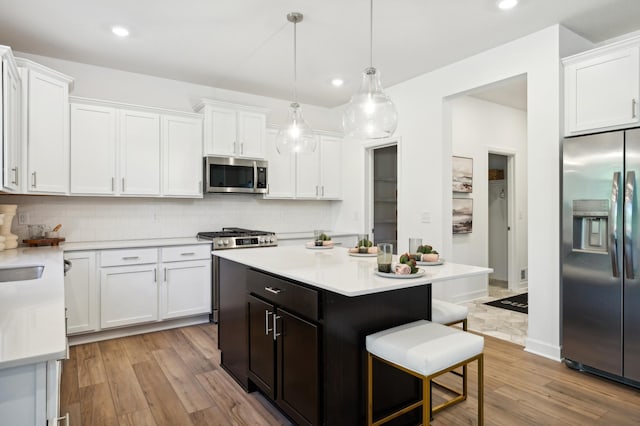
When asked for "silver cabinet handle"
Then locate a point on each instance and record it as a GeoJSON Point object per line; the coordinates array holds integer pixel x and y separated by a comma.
{"type": "Point", "coordinates": [242, 148]}
{"type": "Point", "coordinates": [323, 190]}
{"type": "Point", "coordinates": [165, 275]}
{"type": "Point", "coordinates": [33, 179]}
{"type": "Point", "coordinates": [266, 322]}
{"type": "Point", "coordinates": [155, 275]}
{"type": "Point", "coordinates": [275, 326]}
{"type": "Point", "coordinates": [130, 257]}
{"type": "Point", "coordinates": [15, 175]}
{"type": "Point", "coordinates": [113, 184]}
{"type": "Point", "coordinates": [629, 189]}
{"type": "Point", "coordinates": [191, 253]}
{"type": "Point", "coordinates": [613, 224]}
{"type": "Point", "coordinates": [122, 184]}
{"type": "Point", "coordinates": [316, 190]}
{"type": "Point", "coordinates": [633, 108]}
{"type": "Point", "coordinates": [65, 418]}
{"type": "Point", "coordinates": [273, 290]}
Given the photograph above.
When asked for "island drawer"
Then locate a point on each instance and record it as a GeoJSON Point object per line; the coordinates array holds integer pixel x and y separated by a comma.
{"type": "Point", "coordinates": [284, 293]}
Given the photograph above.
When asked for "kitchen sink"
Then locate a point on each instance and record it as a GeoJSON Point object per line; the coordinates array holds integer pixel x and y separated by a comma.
{"type": "Point", "coordinates": [21, 273]}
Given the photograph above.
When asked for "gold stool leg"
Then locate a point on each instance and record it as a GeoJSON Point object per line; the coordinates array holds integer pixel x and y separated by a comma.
{"type": "Point", "coordinates": [481, 390]}
{"type": "Point", "coordinates": [426, 401]}
{"type": "Point", "coordinates": [369, 389]}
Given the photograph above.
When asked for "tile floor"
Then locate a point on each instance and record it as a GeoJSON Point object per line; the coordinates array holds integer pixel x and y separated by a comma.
{"type": "Point", "coordinates": [500, 323]}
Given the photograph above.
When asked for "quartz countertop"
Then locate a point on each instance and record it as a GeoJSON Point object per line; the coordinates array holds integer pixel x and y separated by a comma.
{"type": "Point", "coordinates": [116, 244]}
{"type": "Point", "coordinates": [335, 270]}
{"type": "Point", "coordinates": [32, 316]}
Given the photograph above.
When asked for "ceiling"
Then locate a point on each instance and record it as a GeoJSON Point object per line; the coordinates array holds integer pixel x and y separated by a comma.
{"type": "Point", "coordinates": [247, 45]}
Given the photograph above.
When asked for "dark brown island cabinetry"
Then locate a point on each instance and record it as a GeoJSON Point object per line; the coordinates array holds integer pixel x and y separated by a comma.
{"type": "Point", "coordinates": [304, 347]}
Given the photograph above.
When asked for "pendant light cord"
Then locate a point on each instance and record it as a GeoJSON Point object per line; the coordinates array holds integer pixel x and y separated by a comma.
{"type": "Point", "coordinates": [295, 71]}
{"type": "Point", "coordinates": [371, 34]}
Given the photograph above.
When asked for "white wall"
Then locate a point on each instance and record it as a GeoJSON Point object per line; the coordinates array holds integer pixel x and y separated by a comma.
{"type": "Point", "coordinates": [477, 128]}
{"type": "Point", "coordinates": [425, 157]}
{"type": "Point", "coordinates": [92, 81]}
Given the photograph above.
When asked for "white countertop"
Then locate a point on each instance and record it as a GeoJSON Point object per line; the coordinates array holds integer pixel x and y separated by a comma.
{"type": "Point", "coordinates": [32, 317]}
{"type": "Point", "coordinates": [153, 242]}
{"type": "Point", "coordinates": [336, 271]}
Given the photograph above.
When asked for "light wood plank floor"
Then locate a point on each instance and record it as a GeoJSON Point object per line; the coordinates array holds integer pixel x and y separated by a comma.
{"type": "Point", "coordinates": [173, 378]}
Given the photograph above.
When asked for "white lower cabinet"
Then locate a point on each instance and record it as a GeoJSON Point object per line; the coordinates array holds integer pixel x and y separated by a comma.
{"type": "Point", "coordinates": [186, 284]}
{"type": "Point", "coordinates": [81, 292]}
{"type": "Point", "coordinates": [106, 289]}
{"type": "Point", "coordinates": [30, 394]}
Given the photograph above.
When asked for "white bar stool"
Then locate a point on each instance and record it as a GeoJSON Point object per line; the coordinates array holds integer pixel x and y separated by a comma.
{"type": "Point", "coordinates": [449, 313]}
{"type": "Point", "coordinates": [425, 350]}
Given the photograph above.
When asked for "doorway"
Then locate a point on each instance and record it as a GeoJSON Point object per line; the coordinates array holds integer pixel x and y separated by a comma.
{"type": "Point", "coordinates": [498, 231]}
{"type": "Point", "coordinates": [384, 174]}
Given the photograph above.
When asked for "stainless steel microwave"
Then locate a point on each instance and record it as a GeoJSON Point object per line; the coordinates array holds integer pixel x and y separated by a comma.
{"type": "Point", "coordinates": [224, 174]}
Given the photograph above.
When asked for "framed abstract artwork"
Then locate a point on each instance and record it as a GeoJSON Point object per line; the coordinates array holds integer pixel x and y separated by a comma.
{"type": "Point", "coordinates": [462, 174]}
{"type": "Point", "coordinates": [462, 217]}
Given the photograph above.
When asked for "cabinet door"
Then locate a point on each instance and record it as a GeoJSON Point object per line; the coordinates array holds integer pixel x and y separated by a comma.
{"type": "Point", "coordinates": [307, 175]}
{"type": "Point", "coordinates": [93, 149]}
{"type": "Point", "coordinates": [330, 168]}
{"type": "Point", "coordinates": [186, 289]}
{"type": "Point", "coordinates": [23, 395]}
{"type": "Point", "coordinates": [603, 91]}
{"type": "Point", "coordinates": [221, 131]}
{"type": "Point", "coordinates": [251, 134]}
{"type": "Point", "coordinates": [182, 156]}
{"type": "Point", "coordinates": [281, 170]}
{"type": "Point", "coordinates": [262, 345]}
{"type": "Point", "coordinates": [298, 367]}
{"type": "Point", "coordinates": [139, 153]}
{"type": "Point", "coordinates": [128, 295]}
{"type": "Point", "coordinates": [81, 292]}
{"type": "Point", "coordinates": [47, 134]}
{"type": "Point", "coordinates": [10, 107]}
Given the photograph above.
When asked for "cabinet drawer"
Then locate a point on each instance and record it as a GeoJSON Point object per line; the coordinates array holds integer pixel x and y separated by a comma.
{"type": "Point", "coordinates": [283, 293]}
{"type": "Point", "coordinates": [180, 253]}
{"type": "Point", "coordinates": [128, 257]}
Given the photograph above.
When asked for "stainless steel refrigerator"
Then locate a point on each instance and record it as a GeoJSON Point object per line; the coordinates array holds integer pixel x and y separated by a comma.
{"type": "Point", "coordinates": [600, 254]}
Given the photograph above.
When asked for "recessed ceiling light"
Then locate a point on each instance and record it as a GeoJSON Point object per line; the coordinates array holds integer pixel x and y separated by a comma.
{"type": "Point", "coordinates": [507, 4]}
{"type": "Point", "coordinates": [337, 82]}
{"type": "Point", "coordinates": [120, 31]}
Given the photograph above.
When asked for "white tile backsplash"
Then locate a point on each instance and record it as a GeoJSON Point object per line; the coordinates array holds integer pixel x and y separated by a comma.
{"type": "Point", "coordinates": [113, 218]}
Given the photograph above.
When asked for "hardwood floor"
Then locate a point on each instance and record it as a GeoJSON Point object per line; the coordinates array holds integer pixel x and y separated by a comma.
{"type": "Point", "coordinates": [173, 377]}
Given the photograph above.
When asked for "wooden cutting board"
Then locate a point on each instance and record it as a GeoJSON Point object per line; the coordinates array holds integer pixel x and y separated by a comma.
{"type": "Point", "coordinates": [43, 242]}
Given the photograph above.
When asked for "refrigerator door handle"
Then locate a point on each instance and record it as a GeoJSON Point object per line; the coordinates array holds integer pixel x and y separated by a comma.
{"type": "Point", "coordinates": [613, 224]}
{"type": "Point", "coordinates": [629, 189]}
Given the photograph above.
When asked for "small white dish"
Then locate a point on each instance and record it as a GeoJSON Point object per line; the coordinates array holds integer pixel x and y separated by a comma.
{"type": "Point", "coordinates": [311, 245]}
{"type": "Point", "coordinates": [363, 254]}
{"type": "Point", "coordinates": [418, 274]}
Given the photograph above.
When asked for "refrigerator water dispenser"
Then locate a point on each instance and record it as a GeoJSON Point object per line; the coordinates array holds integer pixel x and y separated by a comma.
{"type": "Point", "coordinates": [590, 218]}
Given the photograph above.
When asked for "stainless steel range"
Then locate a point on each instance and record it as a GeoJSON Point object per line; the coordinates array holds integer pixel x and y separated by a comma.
{"type": "Point", "coordinates": [232, 238]}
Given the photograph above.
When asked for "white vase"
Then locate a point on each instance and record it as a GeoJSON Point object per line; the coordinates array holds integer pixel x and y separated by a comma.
{"type": "Point", "coordinates": [2, 238]}
{"type": "Point", "coordinates": [11, 240]}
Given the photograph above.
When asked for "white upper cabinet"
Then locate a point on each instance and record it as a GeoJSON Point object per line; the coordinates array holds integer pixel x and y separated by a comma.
{"type": "Point", "coordinates": [93, 149]}
{"type": "Point", "coordinates": [134, 151]}
{"type": "Point", "coordinates": [330, 168]}
{"type": "Point", "coordinates": [10, 121]}
{"type": "Point", "coordinates": [182, 156]}
{"type": "Point", "coordinates": [46, 128]}
{"type": "Point", "coordinates": [314, 176]}
{"type": "Point", "coordinates": [281, 171]}
{"type": "Point", "coordinates": [139, 153]}
{"type": "Point", "coordinates": [602, 88]}
{"type": "Point", "coordinates": [233, 130]}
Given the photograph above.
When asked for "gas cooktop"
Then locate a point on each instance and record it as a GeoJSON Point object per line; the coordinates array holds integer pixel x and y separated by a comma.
{"type": "Point", "coordinates": [232, 238]}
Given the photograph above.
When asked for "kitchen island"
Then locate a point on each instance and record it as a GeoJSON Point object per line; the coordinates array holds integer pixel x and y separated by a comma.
{"type": "Point", "coordinates": [293, 322]}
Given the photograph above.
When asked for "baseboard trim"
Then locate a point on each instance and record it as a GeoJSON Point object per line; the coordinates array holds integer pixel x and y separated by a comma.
{"type": "Point", "coordinates": [470, 296]}
{"type": "Point", "coordinates": [543, 349]}
{"type": "Point", "coordinates": [79, 339]}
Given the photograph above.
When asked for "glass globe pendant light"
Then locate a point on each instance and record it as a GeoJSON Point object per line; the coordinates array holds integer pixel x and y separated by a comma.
{"type": "Point", "coordinates": [295, 136]}
{"type": "Point", "coordinates": [370, 113]}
